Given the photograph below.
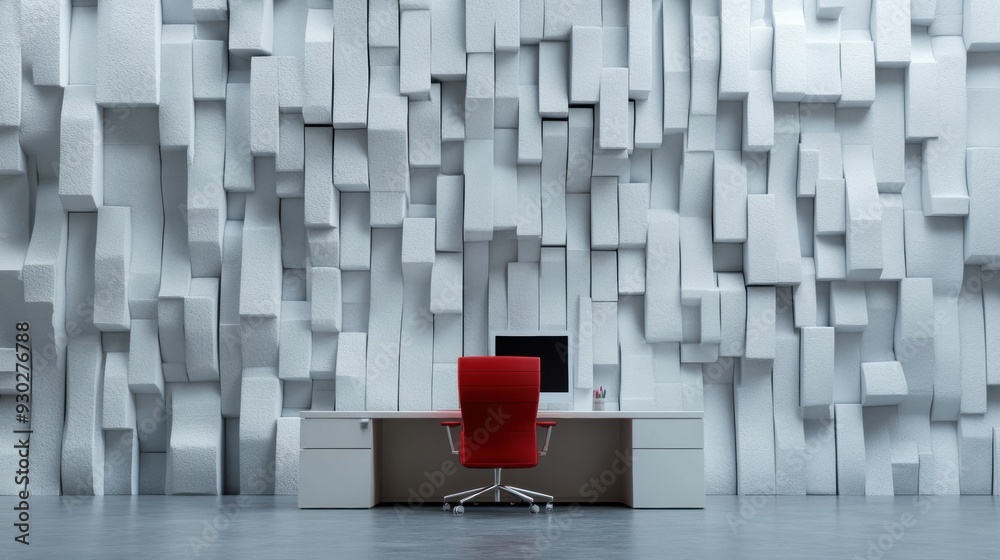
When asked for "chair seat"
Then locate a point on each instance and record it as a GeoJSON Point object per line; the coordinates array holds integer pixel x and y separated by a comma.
{"type": "Point", "coordinates": [507, 450]}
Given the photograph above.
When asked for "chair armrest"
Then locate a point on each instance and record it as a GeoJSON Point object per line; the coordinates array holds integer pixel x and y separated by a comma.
{"type": "Point", "coordinates": [448, 425]}
{"type": "Point", "coordinates": [548, 425]}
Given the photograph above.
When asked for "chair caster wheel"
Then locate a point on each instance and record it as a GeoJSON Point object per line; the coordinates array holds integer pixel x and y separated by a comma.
{"type": "Point", "coordinates": [533, 508]}
{"type": "Point", "coordinates": [548, 507]}
{"type": "Point", "coordinates": [446, 507]}
{"type": "Point", "coordinates": [459, 510]}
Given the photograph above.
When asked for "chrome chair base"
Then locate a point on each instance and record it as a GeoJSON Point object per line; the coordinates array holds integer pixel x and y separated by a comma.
{"type": "Point", "coordinates": [524, 495]}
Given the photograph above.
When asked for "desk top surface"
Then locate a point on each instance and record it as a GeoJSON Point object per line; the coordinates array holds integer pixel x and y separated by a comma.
{"type": "Point", "coordinates": [542, 414]}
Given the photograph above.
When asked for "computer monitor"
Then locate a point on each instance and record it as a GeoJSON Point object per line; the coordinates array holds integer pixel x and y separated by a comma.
{"type": "Point", "coordinates": [553, 348]}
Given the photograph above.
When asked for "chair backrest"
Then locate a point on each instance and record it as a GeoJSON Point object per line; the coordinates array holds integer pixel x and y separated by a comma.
{"type": "Point", "coordinates": [498, 396]}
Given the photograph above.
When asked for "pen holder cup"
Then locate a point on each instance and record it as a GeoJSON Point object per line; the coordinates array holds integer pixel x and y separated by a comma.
{"type": "Point", "coordinates": [599, 403]}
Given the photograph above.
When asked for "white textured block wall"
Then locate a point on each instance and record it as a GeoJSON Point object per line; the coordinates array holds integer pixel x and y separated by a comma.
{"type": "Point", "coordinates": [785, 219]}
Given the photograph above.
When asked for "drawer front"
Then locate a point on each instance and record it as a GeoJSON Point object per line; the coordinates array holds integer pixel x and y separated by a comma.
{"type": "Point", "coordinates": [672, 433]}
{"type": "Point", "coordinates": [337, 478]}
{"type": "Point", "coordinates": [336, 433]}
{"type": "Point", "coordinates": [668, 478]}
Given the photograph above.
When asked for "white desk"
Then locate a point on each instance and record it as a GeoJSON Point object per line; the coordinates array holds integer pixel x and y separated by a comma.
{"type": "Point", "coordinates": [643, 459]}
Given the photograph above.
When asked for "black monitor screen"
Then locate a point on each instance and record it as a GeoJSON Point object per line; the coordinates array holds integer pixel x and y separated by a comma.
{"type": "Point", "coordinates": [552, 350]}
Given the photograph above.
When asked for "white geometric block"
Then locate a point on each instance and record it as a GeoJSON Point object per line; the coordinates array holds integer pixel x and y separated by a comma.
{"type": "Point", "coordinates": [857, 64]}
{"type": "Point", "coordinates": [325, 297]}
{"type": "Point", "coordinates": [981, 234]}
{"type": "Point", "coordinates": [291, 134]}
{"type": "Point", "coordinates": [759, 251]}
{"type": "Point", "coordinates": [996, 461]}
{"type": "Point", "coordinates": [206, 196]}
{"type": "Point", "coordinates": [478, 215]}
{"type": "Point", "coordinates": [755, 466]}
{"type": "Point", "coordinates": [351, 365]}
{"type": "Point", "coordinates": [604, 221]}
{"type": "Point", "coordinates": [239, 175]}
{"type": "Point", "coordinates": [830, 207]}
{"type": "Point", "coordinates": [480, 89]}
{"type": "Point", "coordinates": [260, 408]}
{"type": "Point", "coordinates": [350, 66]}
{"type": "Point", "coordinates": [449, 212]}
{"type": "Point", "coordinates": [851, 466]}
{"type": "Point", "coordinates": [848, 306]}
{"type": "Point", "coordinates": [447, 40]}
{"type": "Point", "coordinates": [943, 184]}
{"type": "Point", "coordinates": [729, 205]}
{"type": "Point", "coordinates": [355, 232]}
{"type": "Point", "coordinates": [295, 348]}
{"type": "Point", "coordinates": [605, 318]}
{"type": "Point", "coordinates": [201, 330]}
{"type": "Point", "coordinates": [663, 297]}
{"type": "Point", "coordinates": [612, 111]}
{"type": "Point", "coordinates": [636, 390]}
{"type": "Point", "coordinates": [416, 353]}
{"type": "Point", "coordinates": [552, 289]}
{"type": "Point", "coordinates": [415, 54]}
{"type": "Point", "coordinates": [975, 455]}
{"type": "Point", "coordinates": [446, 284]}
{"type": "Point", "coordinates": [318, 65]}
{"type": "Point", "coordinates": [604, 275]}
{"type": "Point", "coordinates": [529, 126]}
{"type": "Point", "coordinates": [128, 53]}
{"type": "Point", "coordinates": [979, 29]}
{"type": "Point", "coordinates": [580, 150]}
{"type": "Point", "coordinates": [790, 64]}
{"type": "Point", "coordinates": [210, 68]}
{"type": "Point", "coordinates": [864, 216]}
{"type": "Point", "coordinates": [480, 22]}
{"type": "Point", "coordinates": [453, 109]}
{"type": "Point", "coordinates": [112, 266]}
{"type": "Point", "coordinates": [633, 206]}
{"type": "Point", "coordinates": [286, 457]}
{"type": "Point", "coordinates": [424, 130]}
{"type": "Point", "coordinates": [631, 271]}
{"type": "Point", "coordinates": [922, 118]}
{"type": "Point", "coordinates": [553, 186]}
{"type": "Point", "coordinates": [733, 313]}
{"type": "Point", "coordinates": [553, 79]}
{"type": "Point", "coordinates": [585, 345]}
{"type": "Point", "coordinates": [804, 296]}
{"type": "Point", "coordinates": [760, 323]}
{"type": "Point", "coordinates": [83, 445]}
{"type": "Point", "coordinates": [507, 72]}
{"type": "Point", "coordinates": [350, 160]}
{"type": "Point", "coordinates": [640, 40]}
{"type": "Point", "coordinates": [882, 383]}
{"type": "Point", "coordinates": [418, 246]}
{"type": "Point", "coordinates": [145, 370]}
{"type": "Point", "coordinates": [387, 145]}
{"type": "Point", "coordinates": [177, 88]}
{"type": "Point", "coordinates": [585, 65]}
{"type": "Point", "coordinates": [878, 423]}
{"type": "Point", "coordinates": [505, 179]}
{"type": "Point", "coordinates": [445, 387]}
{"type": "Point", "coordinates": [264, 96]}
{"type": "Point", "coordinates": [385, 318]}
{"type": "Point", "coordinates": [720, 440]}
{"type": "Point", "coordinates": [939, 469]}
{"type": "Point", "coordinates": [734, 77]}
{"type": "Point", "coordinates": [195, 456]}
{"type": "Point", "coordinates": [260, 273]}
{"type": "Point", "coordinates": [890, 29]}
{"type": "Point", "coordinates": [476, 299]}
{"type": "Point", "coordinates": [81, 185]}
{"type": "Point", "coordinates": [973, 343]}
{"type": "Point", "coordinates": [522, 295]}
{"type": "Point", "coordinates": [817, 366]}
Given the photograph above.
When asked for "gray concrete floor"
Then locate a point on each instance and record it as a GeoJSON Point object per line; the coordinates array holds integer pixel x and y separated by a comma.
{"type": "Point", "coordinates": [764, 527]}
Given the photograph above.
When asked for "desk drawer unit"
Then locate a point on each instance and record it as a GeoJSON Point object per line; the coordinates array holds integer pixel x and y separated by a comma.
{"type": "Point", "coordinates": [338, 465]}
{"type": "Point", "coordinates": [668, 463]}
{"type": "Point", "coordinates": [336, 433]}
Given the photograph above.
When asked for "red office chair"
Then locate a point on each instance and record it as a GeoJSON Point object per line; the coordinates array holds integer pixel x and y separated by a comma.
{"type": "Point", "coordinates": [498, 396]}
